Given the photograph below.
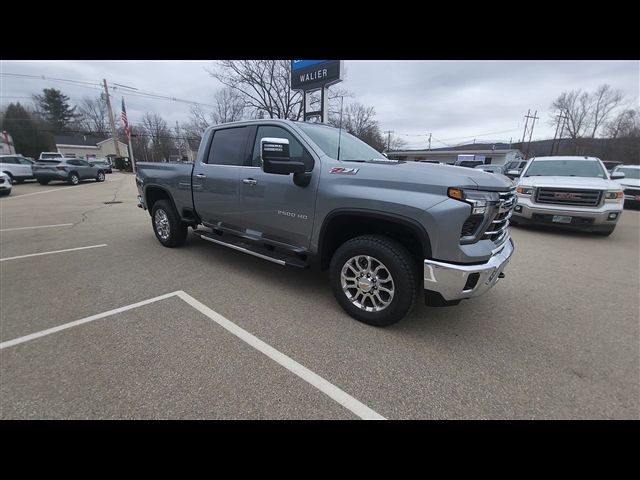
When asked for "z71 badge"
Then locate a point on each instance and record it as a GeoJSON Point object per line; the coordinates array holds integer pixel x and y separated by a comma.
{"type": "Point", "coordinates": [344, 171]}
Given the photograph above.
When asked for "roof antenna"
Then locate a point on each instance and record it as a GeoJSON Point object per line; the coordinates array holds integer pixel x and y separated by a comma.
{"type": "Point", "coordinates": [340, 131]}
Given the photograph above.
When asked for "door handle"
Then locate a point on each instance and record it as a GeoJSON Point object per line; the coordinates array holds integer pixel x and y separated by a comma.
{"type": "Point", "coordinates": [201, 175]}
{"type": "Point", "coordinates": [249, 181]}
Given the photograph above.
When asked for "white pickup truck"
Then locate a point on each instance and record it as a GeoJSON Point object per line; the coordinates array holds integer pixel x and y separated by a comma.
{"type": "Point", "coordinates": [570, 192]}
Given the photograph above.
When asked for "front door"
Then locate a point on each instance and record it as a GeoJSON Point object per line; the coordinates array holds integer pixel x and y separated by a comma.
{"type": "Point", "coordinates": [274, 207]}
{"type": "Point", "coordinates": [216, 178]}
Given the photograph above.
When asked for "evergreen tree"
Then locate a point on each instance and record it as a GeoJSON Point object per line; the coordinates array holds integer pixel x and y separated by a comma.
{"type": "Point", "coordinates": [30, 136]}
{"type": "Point", "coordinates": [55, 108]}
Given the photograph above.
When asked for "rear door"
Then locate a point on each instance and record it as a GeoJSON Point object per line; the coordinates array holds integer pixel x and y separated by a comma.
{"type": "Point", "coordinates": [216, 178]}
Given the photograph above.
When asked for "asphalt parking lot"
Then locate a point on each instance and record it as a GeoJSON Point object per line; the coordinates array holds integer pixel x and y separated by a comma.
{"type": "Point", "coordinates": [235, 337]}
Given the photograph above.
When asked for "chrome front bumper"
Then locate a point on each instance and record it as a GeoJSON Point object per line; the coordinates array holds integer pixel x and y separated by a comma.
{"type": "Point", "coordinates": [450, 280]}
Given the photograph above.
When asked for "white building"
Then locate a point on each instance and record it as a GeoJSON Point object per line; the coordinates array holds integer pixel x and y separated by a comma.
{"type": "Point", "coordinates": [495, 154]}
{"type": "Point", "coordinates": [85, 146]}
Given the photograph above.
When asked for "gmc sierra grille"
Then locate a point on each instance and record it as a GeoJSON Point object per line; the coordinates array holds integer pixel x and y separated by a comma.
{"type": "Point", "coordinates": [566, 196]}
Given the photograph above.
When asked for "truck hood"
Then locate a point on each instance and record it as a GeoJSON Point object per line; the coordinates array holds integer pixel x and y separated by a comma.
{"type": "Point", "coordinates": [569, 182]}
{"type": "Point", "coordinates": [433, 174]}
{"type": "Point", "coordinates": [629, 182]}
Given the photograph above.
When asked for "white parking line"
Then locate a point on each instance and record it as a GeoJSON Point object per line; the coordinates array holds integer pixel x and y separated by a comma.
{"type": "Point", "coordinates": [326, 387]}
{"type": "Point", "coordinates": [329, 389]}
{"type": "Point", "coordinates": [55, 190]}
{"type": "Point", "coordinates": [39, 226]}
{"type": "Point", "coordinates": [55, 251]}
{"type": "Point", "coordinates": [65, 326]}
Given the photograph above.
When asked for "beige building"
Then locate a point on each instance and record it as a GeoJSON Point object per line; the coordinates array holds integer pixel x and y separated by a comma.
{"type": "Point", "coordinates": [85, 146]}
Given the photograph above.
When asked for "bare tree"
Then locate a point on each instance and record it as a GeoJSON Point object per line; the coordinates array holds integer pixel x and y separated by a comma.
{"type": "Point", "coordinates": [264, 85]}
{"type": "Point", "coordinates": [575, 105]}
{"type": "Point", "coordinates": [229, 106]}
{"type": "Point", "coordinates": [93, 115]}
{"type": "Point", "coordinates": [624, 124]}
{"type": "Point", "coordinates": [159, 135]}
{"type": "Point", "coordinates": [359, 120]}
{"type": "Point", "coordinates": [397, 143]}
{"type": "Point", "coordinates": [587, 113]}
{"type": "Point", "coordinates": [604, 100]}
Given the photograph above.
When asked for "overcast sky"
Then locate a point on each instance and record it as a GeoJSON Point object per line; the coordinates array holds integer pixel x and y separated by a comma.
{"type": "Point", "coordinates": [455, 101]}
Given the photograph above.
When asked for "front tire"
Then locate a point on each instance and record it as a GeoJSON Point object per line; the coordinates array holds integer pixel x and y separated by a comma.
{"type": "Point", "coordinates": [169, 229]}
{"type": "Point", "coordinates": [100, 176]}
{"type": "Point", "coordinates": [374, 279]}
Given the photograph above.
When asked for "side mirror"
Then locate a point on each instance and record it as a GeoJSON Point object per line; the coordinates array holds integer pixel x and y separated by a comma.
{"type": "Point", "coordinates": [514, 173]}
{"type": "Point", "coordinates": [617, 176]}
{"type": "Point", "coordinates": [276, 159]}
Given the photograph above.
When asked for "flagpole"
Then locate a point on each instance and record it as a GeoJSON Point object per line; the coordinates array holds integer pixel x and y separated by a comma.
{"type": "Point", "coordinates": [133, 163]}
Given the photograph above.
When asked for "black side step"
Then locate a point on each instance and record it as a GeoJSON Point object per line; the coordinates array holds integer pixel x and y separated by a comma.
{"type": "Point", "coordinates": [252, 249]}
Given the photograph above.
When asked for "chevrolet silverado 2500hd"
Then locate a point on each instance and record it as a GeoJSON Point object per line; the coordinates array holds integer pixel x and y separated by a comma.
{"type": "Point", "coordinates": [304, 194]}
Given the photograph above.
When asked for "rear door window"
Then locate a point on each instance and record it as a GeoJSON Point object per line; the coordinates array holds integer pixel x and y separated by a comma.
{"type": "Point", "coordinates": [228, 147]}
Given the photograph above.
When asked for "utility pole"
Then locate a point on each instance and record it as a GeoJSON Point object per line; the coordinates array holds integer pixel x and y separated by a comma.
{"type": "Point", "coordinates": [179, 139]}
{"type": "Point", "coordinates": [527, 130]}
{"type": "Point", "coordinates": [429, 141]}
{"type": "Point", "coordinates": [114, 133]}
{"type": "Point", "coordinates": [560, 117]}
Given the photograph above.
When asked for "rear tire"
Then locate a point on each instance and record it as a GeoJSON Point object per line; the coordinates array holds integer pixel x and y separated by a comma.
{"type": "Point", "coordinates": [43, 182]}
{"type": "Point", "coordinates": [169, 229]}
{"type": "Point", "coordinates": [74, 179]}
{"type": "Point", "coordinates": [391, 260]}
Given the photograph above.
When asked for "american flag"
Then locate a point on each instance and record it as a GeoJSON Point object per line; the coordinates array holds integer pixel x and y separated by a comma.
{"type": "Point", "coordinates": [127, 130]}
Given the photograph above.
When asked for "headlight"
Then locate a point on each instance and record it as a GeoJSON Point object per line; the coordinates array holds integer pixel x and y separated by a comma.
{"type": "Point", "coordinates": [479, 200]}
{"type": "Point", "coordinates": [615, 195]}
{"type": "Point", "coordinates": [525, 190]}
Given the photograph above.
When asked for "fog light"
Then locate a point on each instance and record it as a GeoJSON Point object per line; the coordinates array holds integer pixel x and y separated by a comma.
{"type": "Point", "coordinates": [612, 216]}
{"type": "Point", "coordinates": [518, 208]}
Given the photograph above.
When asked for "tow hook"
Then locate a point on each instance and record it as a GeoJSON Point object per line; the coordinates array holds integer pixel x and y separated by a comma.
{"type": "Point", "coordinates": [502, 275]}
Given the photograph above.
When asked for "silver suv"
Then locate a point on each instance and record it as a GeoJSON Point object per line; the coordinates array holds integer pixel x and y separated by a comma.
{"type": "Point", "coordinates": [16, 167]}
{"type": "Point", "coordinates": [70, 170]}
{"type": "Point", "coordinates": [571, 192]}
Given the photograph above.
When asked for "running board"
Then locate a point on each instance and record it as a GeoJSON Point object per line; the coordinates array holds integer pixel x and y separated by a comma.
{"type": "Point", "coordinates": [255, 250]}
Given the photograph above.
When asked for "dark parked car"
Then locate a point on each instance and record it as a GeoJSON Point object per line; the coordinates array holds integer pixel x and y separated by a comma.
{"type": "Point", "coordinates": [70, 170]}
{"type": "Point", "coordinates": [103, 163]}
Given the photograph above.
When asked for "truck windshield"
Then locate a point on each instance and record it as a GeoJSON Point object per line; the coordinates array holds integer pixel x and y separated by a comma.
{"type": "Point", "coordinates": [351, 148]}
{"type": "Point", "coordinates": [630, 172]}
{"type": "Point", "coordinates": [566, 168]}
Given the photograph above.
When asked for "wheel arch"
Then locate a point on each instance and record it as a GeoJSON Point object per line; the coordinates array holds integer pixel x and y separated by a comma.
{"type": "Point", "coordinates": [341, 225]}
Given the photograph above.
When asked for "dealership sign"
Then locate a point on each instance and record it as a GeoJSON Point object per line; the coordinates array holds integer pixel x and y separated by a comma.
{"type": "Point", "coordinates": [315, 74]}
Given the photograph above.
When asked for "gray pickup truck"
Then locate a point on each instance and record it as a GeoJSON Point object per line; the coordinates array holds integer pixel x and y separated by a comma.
{"type": "Point", "coordinates": [304, 194]}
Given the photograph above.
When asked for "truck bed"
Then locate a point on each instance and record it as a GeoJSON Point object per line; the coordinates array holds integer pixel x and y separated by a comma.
{"type": "Point", "coordinates": [175, 178]}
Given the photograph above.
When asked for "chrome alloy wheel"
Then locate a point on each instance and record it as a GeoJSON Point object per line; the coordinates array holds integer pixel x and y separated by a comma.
{"type": "Point", "coordinates": [367, 283]}
{"type": "Point", "coordinates": [162, 224]}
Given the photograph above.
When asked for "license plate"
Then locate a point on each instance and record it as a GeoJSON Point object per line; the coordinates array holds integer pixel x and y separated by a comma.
{"type": "Point", "coordinates": [561, 219]}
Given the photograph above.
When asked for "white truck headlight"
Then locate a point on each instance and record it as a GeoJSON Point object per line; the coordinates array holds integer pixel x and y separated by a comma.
{"type": "Point", "coordinates": [614, 196]}
{"type": "Point", "coordinates": [525, 190]}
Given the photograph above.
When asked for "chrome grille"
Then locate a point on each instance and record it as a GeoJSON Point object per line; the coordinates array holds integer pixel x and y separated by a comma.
{"type": "Point", "coordinates": [566, 196]}
{"type": "Point", "coordinates": [497, 228]}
